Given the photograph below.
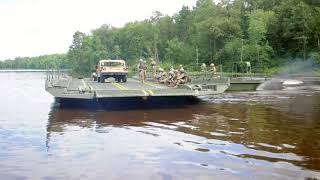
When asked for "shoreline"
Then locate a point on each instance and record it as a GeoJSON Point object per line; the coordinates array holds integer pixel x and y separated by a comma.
{"type": "Point", "coordinates": [30, 70]}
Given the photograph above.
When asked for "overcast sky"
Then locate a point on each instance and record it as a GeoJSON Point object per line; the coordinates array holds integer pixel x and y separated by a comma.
{"type": "Point", "coordinates": [37, 27]}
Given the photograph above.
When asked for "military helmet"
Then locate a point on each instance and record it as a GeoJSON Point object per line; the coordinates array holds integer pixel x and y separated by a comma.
{"type": "Point", "coordinates": [182, 70]}
{"type": "Point", "coordinates": [211, 64]}
{"type": "Point", "coordinates": [141, 60]}
{"type": "Point", "coordinates": [160, 69]}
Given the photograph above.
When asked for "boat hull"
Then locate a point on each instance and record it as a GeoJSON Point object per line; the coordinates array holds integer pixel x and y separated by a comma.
{"type": "Point", "coordinates": [85, 89]}
{"type": "Point", "coordinates": [122, 103]}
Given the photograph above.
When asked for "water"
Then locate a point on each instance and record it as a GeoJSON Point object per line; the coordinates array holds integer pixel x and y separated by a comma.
{"type": "Point", "coordinates": [260, 135]}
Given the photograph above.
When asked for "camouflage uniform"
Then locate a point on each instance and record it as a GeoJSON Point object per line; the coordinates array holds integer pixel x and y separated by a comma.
{"type": "Point", "coordinates": [180, 68]}
{"type": "Point", "coordinates": [248, 67]}
{"type": "Point", "coordinates": [203, 68]}
{"type": "Point", "coordinates": [145, 70]}
{"type": "Point", "coordinates": [175, 78]}
{"type": "Point", "coordinates": [154, 69]}
{"type": "Point", "coordinates": [94, 76]}
{"type": "Point", "coordinates": [162, 76]}
{"type": "Point", "coordinates": [182, 78]}
{"type": "Point", "coordinates": [213, 70]}
{"type": "Point", "coordinates": [142, 70]}
{"type": "Point", "coordinates": [169, 81]}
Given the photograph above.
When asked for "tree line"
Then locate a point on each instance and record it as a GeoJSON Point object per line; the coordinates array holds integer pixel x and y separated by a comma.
{"type": "Point", "coordinates": [267, 33]}
{"type": "Point", "coordinates": [53, 61]}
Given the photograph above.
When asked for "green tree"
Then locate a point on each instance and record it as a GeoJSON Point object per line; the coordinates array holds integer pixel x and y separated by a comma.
{"type": "Point", "coordinates": [178, 52]}
{"type": "Point", "coordinates": [294, 25]}
{"type": "Point", "coordinates": [81, 54]}
{"type": "Point", "coordinates": [259, 21]}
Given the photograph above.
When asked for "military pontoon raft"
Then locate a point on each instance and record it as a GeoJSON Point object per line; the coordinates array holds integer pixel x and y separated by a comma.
{"type": "Point", "coordinates": [66, 88]}
{"type": "Point", "coordinates": [245, 83]}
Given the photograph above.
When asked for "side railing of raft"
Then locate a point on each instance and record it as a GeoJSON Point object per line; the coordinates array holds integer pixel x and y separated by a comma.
{"type": "Point", "coordinates": [52, 75]}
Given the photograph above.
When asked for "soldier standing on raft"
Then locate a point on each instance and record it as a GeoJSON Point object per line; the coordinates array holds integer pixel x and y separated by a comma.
{"type": "Point", "coordinates": [203, 68]}
{"type": "Point", "coordinates": [142, 70]}
{"type": "Point", "coordinates": [204, 71]}
{"type": "Point", "coordinates": [213, 70]}
{"type": "Point", "coordinates": [154, 69]}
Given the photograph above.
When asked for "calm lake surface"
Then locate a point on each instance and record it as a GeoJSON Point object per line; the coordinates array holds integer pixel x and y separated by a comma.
{"type": "Point", "coordinates": [260, 135]}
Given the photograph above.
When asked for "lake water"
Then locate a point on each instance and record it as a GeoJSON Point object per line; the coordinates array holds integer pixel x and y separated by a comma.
{"type": "Point", "coordinates": [259, 135]}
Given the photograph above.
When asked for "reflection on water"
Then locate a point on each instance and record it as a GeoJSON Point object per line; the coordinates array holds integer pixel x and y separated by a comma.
{"type": "Point", "coordinates": [235, 136]}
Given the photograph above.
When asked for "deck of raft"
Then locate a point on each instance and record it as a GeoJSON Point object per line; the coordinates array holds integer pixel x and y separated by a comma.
{"type": "Point", "coordinates": [122, 89]}
{"type": "Point", "coordinates": [87, 89]}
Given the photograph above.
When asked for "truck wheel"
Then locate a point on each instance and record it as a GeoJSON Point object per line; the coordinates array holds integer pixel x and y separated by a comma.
{"type": "Point", "coordinates": [118, 79]}
{"type": "Point", "coordinates": [102, 79]}
{"type": "Point", "coordinates": [124, 79]}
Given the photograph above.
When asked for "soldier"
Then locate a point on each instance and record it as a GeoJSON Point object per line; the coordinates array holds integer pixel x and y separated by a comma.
{"type": "Point", "coordinates": [248, 67]}
{"type": "Point", "coordinates": [175, 78]}
{"type": "Point", "coordinates": [140, 62]}
{"type": "Point", "coordinates": [169, 81]}
{"type": "Point", "coordinates": [154, 69]}
{"type": "Point", "coordinates": [94, 76]}
{"type": "Point", "coordinates": [145, 70]}
{"type": "Point", "coordinates": [182, 78]}
{"type": "Point", "coordinates": [165, 77]}
{"type": "Point", "coordinates": [180, 68]}
{"type": "Point", "coordinates": [142, 70]}
{"type": "Point", "coordinates": [204, 71]}
{"type": "Point", "coordinates": [213, 70]}
{"type": "Point", "coordinates": [203, 68]}
{"type": "Point", "coordinates": [162, 76]}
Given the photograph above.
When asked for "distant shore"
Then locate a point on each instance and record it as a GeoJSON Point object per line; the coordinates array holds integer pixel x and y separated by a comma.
{"type": "Point", "coordinates": [29, 70]}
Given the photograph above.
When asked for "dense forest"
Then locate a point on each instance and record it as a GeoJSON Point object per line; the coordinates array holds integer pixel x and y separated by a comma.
{"type": "Point", "coordinates": [52, 61]}
{"type": "Point", "coordinates": [267, 33]}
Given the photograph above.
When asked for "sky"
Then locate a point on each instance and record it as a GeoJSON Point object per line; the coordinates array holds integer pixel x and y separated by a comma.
{"type": "Point", "coordinates": [37, 27]}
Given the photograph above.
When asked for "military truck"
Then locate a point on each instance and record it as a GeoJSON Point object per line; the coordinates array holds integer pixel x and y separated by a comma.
{"type": "Point", "coordinates": [116, 69]}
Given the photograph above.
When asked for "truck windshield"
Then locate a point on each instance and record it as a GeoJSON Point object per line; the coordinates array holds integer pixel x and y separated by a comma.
{"type": "Point", "coordinates": [111, 64]}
